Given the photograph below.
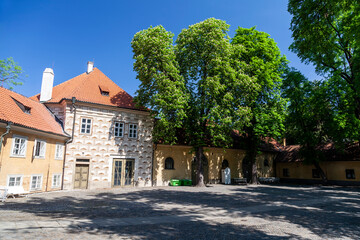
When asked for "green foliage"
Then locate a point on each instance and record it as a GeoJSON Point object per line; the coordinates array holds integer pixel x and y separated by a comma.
{"type": "Point", "coordinates": [209, 86]}
{"type": "Point", "coordinates": [327, 34]}
{"type": "Point", "coordinates": [10, 73]}
{"type": "Point", "coordinates": [262, 61]}
{"type": "Point", "coordinates": [319, 112]}
{"type": "Point", "coordinates": [193, 84]}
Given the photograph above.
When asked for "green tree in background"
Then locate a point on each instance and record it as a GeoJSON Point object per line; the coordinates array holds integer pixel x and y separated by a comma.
{"type": "Point", "coordinates": [262, 61]}
{"type": "Point", "coordinates": [326, 33]}
{"type": "Point", "coordinates": [318, 113]}
{"type": "Point", "coordinates": [196, 85]}
{"type": "Point", "coordinates": [10, 73]}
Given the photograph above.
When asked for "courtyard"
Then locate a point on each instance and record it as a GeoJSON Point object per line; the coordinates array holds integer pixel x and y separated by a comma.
{"type": "Point", "coordinates": [214, 212]}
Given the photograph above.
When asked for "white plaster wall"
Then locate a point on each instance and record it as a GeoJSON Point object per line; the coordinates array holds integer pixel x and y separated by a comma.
{"type": "Point", "coordinates": [101, 147]}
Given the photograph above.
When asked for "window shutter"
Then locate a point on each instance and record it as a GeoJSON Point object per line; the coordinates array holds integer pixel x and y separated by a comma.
{"type": "Point", "coordinates": [42, 148]}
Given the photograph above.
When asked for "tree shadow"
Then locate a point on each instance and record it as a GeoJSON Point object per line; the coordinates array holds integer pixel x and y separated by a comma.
{"type": "Point", "coordinates": [325, 219]}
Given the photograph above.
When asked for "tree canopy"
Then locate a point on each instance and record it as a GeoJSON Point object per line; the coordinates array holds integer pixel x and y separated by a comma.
{"type": "Point", "coordinates": [10, 73]}
{"type": "Point", "coordinates": [207, 85]}
{"type": "Point", "coordinates": [262, 61]}
{"type": "Point", "coordinates": [327, 34]}
{"type": "Point", "coordinates": [193, 85]}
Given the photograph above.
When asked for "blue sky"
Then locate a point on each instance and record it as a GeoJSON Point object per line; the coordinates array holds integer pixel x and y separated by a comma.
{"type": "Point", "coordinates": [64, 35]}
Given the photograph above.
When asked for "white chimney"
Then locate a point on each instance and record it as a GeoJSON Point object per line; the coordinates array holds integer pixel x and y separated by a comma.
{"type": "Point", "coordinates": [90, 67]}
{"type": "Point", "coordinates": [47, 85]}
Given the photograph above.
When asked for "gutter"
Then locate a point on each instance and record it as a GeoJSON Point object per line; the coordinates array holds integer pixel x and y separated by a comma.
{"type": "Point", "coordinates": [5, 133]}
{"type": "Point", "coordinates": [73, 100]}
{"type": "Point", "coordinates": [2, 139]}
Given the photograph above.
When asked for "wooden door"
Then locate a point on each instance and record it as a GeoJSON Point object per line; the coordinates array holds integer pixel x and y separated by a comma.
{"type": "Point", "coordinates": [81, 176]}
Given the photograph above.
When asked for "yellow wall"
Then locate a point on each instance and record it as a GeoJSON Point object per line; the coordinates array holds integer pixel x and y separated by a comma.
{"type": "Point", "coordinates": [28, 165]}
{"type": "Point", "coordinates": [334, 170]}
{"type": "Point", "coordinates": [183, 156]}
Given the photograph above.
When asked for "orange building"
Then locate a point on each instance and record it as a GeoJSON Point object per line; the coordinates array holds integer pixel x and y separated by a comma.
{"type": "Point", "coordinates": [32, 145]}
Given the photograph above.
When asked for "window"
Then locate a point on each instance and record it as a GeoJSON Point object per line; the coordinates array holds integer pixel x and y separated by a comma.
{"type": "Point", "coordinates": [169, 163]}
{"type": "Point", "coordinates": [86, 125]}
{"type": "Point", "coordinates": [132, 131]}
{"type": "Point", "coordinates": [315, 173]}
{"type": "Point", "coordinates": [56, 180]}
{"type": "Point", "coordinates": [36, 182]}
{"type": "Point", "coordinates": [286, 172]}
{"type": "Point", "coordinates": [350, 174]}
{"type": "Point", "coordinates": [39, 148]}
{"type": "Point", "coordinates": [15, 181]}
{"type": "Point", "coordinates": [104, 90]}
{"type": "Point", "coordinates": [118, 129]}
{"type": "Point", "coordinates": [59, 151]}
{"type": "Point", "coordinates": [266, 163]}
{"type": "Point", "coordinates": [19, 146]}
{"type": "Point", "coordinates": [24, 108]}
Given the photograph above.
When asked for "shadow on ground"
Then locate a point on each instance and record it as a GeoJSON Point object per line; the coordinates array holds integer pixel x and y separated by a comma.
{"type": "Point", "coordinates": [327, 219]}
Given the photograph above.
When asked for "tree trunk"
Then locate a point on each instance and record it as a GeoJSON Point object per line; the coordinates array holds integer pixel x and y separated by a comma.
{"type": "Point", "coordinates": [251, 152]}
{"type": "Point", "coordinates": [200, 168]}
{"type": "Point", "coordinates": [322, 174]}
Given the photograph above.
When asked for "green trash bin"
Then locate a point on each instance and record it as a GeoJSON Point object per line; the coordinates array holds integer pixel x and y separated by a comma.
{"type": "Point", "coordinates": [175, 182]}
{"type": "Point", "coordinates": [186, 182]}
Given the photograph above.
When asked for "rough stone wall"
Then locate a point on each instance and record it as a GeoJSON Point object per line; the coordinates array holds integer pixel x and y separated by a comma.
{"type": "Point", "coordinates": [101, 147]}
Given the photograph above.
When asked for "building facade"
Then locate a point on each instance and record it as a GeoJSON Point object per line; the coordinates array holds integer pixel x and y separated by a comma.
{"type": "Point", "coordinates": [32, 145]}
{"type": "Point", "coordinates": [111, 144]}
{"type": "Point", "coordinates": [177, 162]}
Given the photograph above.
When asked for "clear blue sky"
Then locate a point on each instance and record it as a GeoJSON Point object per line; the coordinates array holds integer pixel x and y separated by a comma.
{"type": "Point", "coordinates": [65, 34]}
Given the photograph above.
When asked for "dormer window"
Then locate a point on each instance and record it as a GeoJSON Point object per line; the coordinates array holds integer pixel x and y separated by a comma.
{"type": "Point", "coordinates": [104, 93]}
{"type": "Point", "coordinates": [104, 90]}
{"type": "Point", "coordinates": [24, 108]}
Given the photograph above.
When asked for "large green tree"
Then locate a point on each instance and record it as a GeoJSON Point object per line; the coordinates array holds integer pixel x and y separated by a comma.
{"type": "Point", "coordinates": [318, 113]}
{"type": "Point", "coordinates": [195, 85]}
{"type": "Point", "coordinates": [261, 60]}
{"type": "Point", "coordinates": [326, 33]}
{"type": "Point", "coordinates": [10, 73]}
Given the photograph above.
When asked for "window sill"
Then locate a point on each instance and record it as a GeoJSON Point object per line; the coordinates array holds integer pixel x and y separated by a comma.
{"type": "Point", "coordinates": [17, 156]}
{"type": "Point", "coordinates": [169, 168]}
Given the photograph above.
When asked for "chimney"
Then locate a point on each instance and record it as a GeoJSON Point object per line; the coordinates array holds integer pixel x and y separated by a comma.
{"type": "Point", "coordinates": [90, 66]}
{"type": "Point", "coordinates": [47, 85]}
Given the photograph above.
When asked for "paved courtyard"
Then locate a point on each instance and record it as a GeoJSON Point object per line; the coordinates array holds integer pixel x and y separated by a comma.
{"type": "Point", "coordinates": [215, 212]}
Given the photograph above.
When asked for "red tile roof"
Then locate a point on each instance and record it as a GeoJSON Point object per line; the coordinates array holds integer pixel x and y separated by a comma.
{"type": "Point", "coordinates": [39, 117]}
{"type": "Point", "coordinates": [351, 152]}
{"type": "Point", "coordinates": [87, 87]}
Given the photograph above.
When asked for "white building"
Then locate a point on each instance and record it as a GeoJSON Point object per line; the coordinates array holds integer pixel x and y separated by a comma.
{"type": "Point", "coordinates": [112, 143]}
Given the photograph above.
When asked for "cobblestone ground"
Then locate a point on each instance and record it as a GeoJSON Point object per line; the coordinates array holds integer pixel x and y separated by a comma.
{"type": "Point", "coordinates": [215, 212]}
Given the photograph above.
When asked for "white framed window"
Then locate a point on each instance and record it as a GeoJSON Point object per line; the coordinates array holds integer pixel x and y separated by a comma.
{"type": "Point", "coordinates": [56, 180]}
{"type": "Point", "coordinates": [59, 151]}
{"type": "Point", "coordinates": [14, 180]}
{"type": "Point", "coordinates": [118, 129]}
{"type": "Point", "coordinates": [36, 182]}
{"type": "Point", "coordinates": [133, 130]}
{"type": "Point", "coordinates": [86, 125]}
{"type": "Point", "coordinates": [19, 146]}
{"type": "Point", "coordinates": [39, 148]}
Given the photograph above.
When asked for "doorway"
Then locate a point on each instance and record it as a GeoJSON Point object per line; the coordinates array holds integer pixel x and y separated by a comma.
{"type": "Point", "coordinates": [81, 176]}
{"type": "Point", "coordinates": [123, 172]}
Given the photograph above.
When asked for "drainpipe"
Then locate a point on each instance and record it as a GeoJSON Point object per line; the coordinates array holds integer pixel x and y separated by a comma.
{"type": "Point", "coordinates": [73, 100]}
{"type": "Point", "coordinates": [5, 133]}
{"type": "Point", "coordinates": [2, 138]}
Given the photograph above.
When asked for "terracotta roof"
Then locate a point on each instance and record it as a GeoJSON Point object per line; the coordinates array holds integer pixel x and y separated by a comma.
{"type": "Point", "coordinates": [351, 152]}
{"type": "Point", "coordinates": [88, 87]}
{"type": "Point", "coordinates": [13, 107]}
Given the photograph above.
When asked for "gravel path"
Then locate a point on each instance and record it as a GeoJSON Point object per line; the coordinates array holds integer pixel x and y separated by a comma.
{"type": "Point", "coordinates": [215, 212]}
